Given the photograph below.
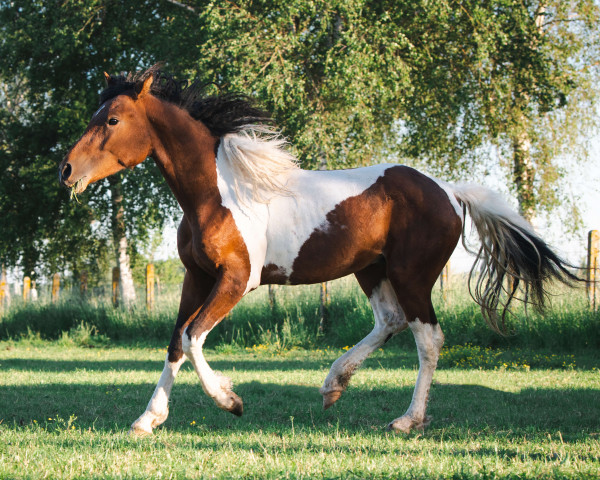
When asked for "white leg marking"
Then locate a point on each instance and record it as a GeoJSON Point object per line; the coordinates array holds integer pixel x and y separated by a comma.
{"type": "Point", "coordinates": [157, 410]}
{"type": "Point", "coordinates": [216, 386]}
{"type": "Point", "coordinates": [389, 320]}
{"type": "Point", "coordinates": [429, 339]}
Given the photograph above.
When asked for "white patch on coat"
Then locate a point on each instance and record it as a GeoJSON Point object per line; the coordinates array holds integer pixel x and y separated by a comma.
{"type": "Point", "coordinates": [293, 218]}
{"type": "Point", "coordinates": [429, 339]}
{"type": "Point", "coordinates": [275, 231]}
{"type": "Point", "coordinates": [250, 219]}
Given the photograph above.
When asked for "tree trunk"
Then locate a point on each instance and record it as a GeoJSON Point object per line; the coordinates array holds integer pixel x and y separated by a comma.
{"type": "Point", "coordinates": [523, 174]}
{"type": "Point", "coordinates": [523, 167]}
{"type": "Point", "coordinates": [120, 241]}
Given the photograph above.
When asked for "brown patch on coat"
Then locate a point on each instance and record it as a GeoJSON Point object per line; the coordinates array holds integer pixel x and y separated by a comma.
{"type": "Point", "coordinates": [272, 273]}
{"type": "Point", "coordinates": [403, 227]}
{"type": "Point", "coordinates": [343, 379]}
{"type": "Point", "coordinates": [355, 234]}
{"type": "Point", "coordinates": [209, 242]}
{"type": "Point", "coordinates": [372, 275]}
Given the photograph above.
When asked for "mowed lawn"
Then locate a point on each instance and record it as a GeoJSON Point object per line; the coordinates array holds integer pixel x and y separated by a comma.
{"type": "Point", "coordinates": [65, 413]}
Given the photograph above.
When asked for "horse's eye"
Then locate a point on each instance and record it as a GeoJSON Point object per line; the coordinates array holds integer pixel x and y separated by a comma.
{"type": "Point", "coordinates": [113, 121]}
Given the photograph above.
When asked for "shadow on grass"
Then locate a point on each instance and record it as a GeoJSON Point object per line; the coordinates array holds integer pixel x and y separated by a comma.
{"type": "Point", "coordinates": [458, 410]}
{"type": "Point", "coordinates": [403, 360]}
{"type": "Point", "coordinates": [388, 359]}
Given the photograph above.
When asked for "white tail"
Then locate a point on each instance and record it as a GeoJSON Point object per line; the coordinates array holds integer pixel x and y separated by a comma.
{"type": "Point", "coordinates": [510, 248]}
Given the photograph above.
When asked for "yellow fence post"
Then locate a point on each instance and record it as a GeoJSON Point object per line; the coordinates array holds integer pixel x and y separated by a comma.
{"type": "Point", "coordinates": [26, 288]}
{"type": "Point", "coordinates": [3, 288]}
{"type": "Point", "coordinates": [149, 286]}
{"type": "Point", "coordinates": [55, 287]}
{"type": "Point", "coordinates": [592, 268]}
{"type": "Point", "coordinates": [116, 277]}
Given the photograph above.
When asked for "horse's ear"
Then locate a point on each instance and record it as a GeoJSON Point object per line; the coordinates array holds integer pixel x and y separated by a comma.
{"type": "Point", "coordinates": [107, 79]}
{"type": "Point", "coordinates": [145, 87]}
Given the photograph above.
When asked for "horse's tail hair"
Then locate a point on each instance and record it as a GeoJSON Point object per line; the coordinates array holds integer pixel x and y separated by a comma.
{"type": "Point", "coordinates": [511, 254]}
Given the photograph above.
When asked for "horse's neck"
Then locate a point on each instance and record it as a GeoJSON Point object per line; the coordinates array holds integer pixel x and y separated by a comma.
{"type": "Point", "coordinates": [184, 151]}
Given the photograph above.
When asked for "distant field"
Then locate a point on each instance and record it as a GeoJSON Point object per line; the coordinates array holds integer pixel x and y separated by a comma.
{"type": "Point", "coordinates": [65, 412]}
{"type": "Point", "coordinates": [293, 320]}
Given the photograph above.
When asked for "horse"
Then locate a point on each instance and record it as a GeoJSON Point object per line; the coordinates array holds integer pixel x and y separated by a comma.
{"type": "Point", "coordinates": [252, 216]}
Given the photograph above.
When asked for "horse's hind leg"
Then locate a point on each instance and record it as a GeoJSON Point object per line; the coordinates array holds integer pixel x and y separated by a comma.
{"type": "Point", "coordinates": [429, 339]}
{"type": "Point", "coordinates": [389, 320]}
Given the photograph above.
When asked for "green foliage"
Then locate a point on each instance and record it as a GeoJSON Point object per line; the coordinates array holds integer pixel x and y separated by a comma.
{"type": "Point", "coordinates": [53, 88]}
{"type": "Point", "coordinates": [350, 83]}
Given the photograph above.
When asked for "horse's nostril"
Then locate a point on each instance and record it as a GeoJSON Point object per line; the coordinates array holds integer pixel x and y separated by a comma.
{"type": "Point", "coordinates": [66, 173]}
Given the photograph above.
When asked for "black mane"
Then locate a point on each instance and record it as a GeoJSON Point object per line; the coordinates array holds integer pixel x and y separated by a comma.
{"type": "Point", "coordinates": [222, 114]}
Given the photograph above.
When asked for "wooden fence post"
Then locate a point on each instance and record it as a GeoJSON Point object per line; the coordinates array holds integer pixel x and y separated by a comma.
{"type": "Point", "coordinates": [33, 292]}
{"type": "Point", "coordinates": [83, 283]}
{"type": "Point", "coordinates": [26, 288]}
{"type": "Point", "coordinates": [272, 295]}
{"type": "Point", "coordinates": [445, 280]}
{"type": "Point", "coordinates": [3, 288]}
{"type": "Point", "coordinates": [592, 268]}
{"type": "Point", "coordinates": [116, 277]}
{"type": "Point", "coordinates": [55, 287]}
{"type": "Point", "coordinates": [149, 286]}
{"type": "Point", "coordinates": [323, 304]}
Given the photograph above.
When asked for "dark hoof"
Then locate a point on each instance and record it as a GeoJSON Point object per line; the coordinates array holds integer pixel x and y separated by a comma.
{"type": "Point", "coordinates": [238, 406]}
{"type": "Point", "coordinates": [330, 398]}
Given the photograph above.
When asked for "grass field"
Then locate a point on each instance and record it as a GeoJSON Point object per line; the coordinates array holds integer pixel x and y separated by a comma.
{"type": "Point", "coordinates": [513, 413]}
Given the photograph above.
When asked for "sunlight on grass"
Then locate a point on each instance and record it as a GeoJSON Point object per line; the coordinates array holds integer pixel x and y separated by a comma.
{"type": "Point", "coordinates": [65, 411]}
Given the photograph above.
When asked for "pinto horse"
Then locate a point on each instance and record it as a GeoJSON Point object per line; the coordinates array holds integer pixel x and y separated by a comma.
{"type": "Point", "coordinates": [251, 216]}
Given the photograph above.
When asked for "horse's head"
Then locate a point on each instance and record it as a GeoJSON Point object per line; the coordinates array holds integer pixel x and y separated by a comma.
{"type": "Point", "coordinates": [117, 137]}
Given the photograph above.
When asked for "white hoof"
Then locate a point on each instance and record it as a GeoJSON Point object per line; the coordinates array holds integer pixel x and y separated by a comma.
{"type": "Point", "coordinates": [147, 422]}
{"type": "Point", "coordinates": [406, 423]}
{"type": "Point", "coordinates": [136, 431]}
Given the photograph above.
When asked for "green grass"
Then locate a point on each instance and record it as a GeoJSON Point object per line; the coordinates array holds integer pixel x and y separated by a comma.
{"type": "Point", "coordinates": [65, 411]}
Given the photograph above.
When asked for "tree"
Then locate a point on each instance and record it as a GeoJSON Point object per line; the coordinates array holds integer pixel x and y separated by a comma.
{"type": "Point", "coordinates": [350, 83]}
{"type": "Point", "coordinates": [53, 86]}
{"type": "Point", "coordinates": [521, 76]}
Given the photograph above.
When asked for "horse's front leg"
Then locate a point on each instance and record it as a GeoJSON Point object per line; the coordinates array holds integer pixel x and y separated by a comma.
{"type": "Point", "coordinates": [227, 292]}
{"type": "Point", "coordinates": [196, 287]}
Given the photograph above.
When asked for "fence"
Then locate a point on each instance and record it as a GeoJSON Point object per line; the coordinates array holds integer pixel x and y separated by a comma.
{"type": "Point", "coordinates": [592, 268]}
{"type": "Point", "coordinates": [29, 292]}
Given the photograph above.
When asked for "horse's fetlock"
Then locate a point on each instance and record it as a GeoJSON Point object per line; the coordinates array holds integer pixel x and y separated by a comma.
{"type": "Point", "coordinates": [225, 383]}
